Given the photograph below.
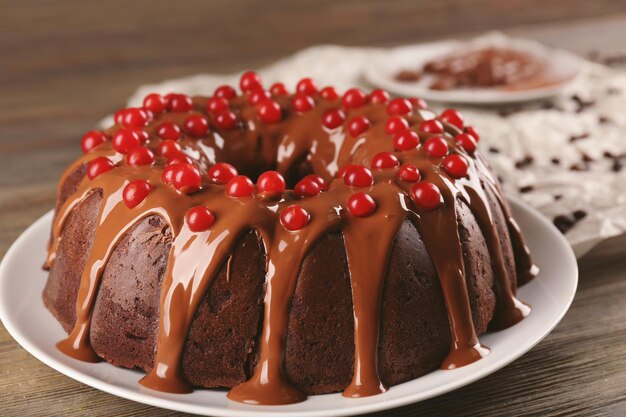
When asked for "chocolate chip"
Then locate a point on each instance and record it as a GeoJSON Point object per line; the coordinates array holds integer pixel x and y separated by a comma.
{"type": "Point", "coordinates": [585, 157]}
{"type": "Point", "coordinates": [579, 166]}
{"type": "Point", "coordinates": [557, 197]}
{"type": "Point", "coordinates": [564, 222]}
{"type": "Point", "coordinates": [582, 104]}
{"type": "Point", "coordinates": [603, 120]}
{"type": "Point", "coordinates": [609, 155]}
{"type": "Point", "coordinates": [493, 149]}
{"type": "Point", "coordinates": [524, 162]}
{"type": "Point", "coordinates": [579, 214]}
{"type": "Point", "coordinates": [617, 165]}
{"type": "Point", "coordinates": [555, 161]}
{"type": "Point", "coordinates": [574, 138]}
{"type": "Point", "coordinates": [526, 189]}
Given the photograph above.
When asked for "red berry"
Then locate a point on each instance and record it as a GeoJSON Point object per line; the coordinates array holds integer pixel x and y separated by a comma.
{"type": "Point", "coordinates": [306, 86]}
{"type": "Point", "coordinates": [319, 180]}
{"type": "Point", "coordinates": [135, 192]}
{"type": "Point", "coordinates": [452, 116]}
{"type": "Point", "coordinates": [302, 103]}
{"type": "Point", "coordinates": [472, 131]}
{"type": "Point", "coordinates": [307, 187]}
{"type": "Point", "coordinates": [271, 182]}
{"type": "Point", "coordinates": [409, 173]}
{"type": "Point", "coordinates": [426, 195]}
{"type": "Point", "coordinates": [225, 91]}
{"type": "Point", "coordinates": [250, 81]}
{"type": "Point", "coordinates": [278, 89]}
{"type": "Point", "coordinates": [361, 205]}
{"type": "Point", "coordinates": [406, 140]}
{"type": "Point", "coordinates": [140, 155]}
{"type": "Point", "coordinates": [119, 116]}
{"type": "Point", "coordinates": [269, 112]}
{"type": "Point", "coordinates": [199, 219]}
{"type": "Point", "coordinates": [125, 139]}
{"type": "Point", "coordinates": [399, 106]}
{"type": "Point", "coordinates": [418, 102]}
{"type": "Point", "coordinates": [98, 166]}
{"type": "Point", "coordinates": [329, 93]}
{"type": "Point", "coordinates": [344, 169]}
{"type": "Point", "coordinates": [168, 148]}
{"type": "Point", "coordinates": [196, 125]}
{"type": "Point", "coordinates": [436, 147]}
{"type": "Point", "coordinates": [353, 98]}
{"type": "Point", "coordinates": [258, 96]}
{"type": "Point", "coordinates": [216, 105]}
{"type": "Point", "coordinates": [240, 186]}
{"type": "Point", "coordinates": [431, 126]}
{"type": "Point", "coordinates": [155, 103]}
{"type": "Point", "coordinates": [456, 166]}
{"type": "Point", "coordinates": [466, 141]}
{"type": "Point", "coordinates": [294, 218]}
{"type": "Point", "coordinates": [179, 158]}
{"type": "Point", "coordinates": [179, 102]}
{"type": "Point", "coordinates": [396, 124]}
{"type": "Point", "coordinates": [358, 125]}
{"type": "Point", "coordinates": [92, 139]}
{"type": "Point", "coordinates": [222, 172]}
{"type": "Point", "coordinates": [168, 130]}
{"type": "Point", "coordinates": [385, 160]}
{"type": "Point", "coordinates": [379, 97]}
{"type": "Point", "coordinates": [226, 120]}
{"type": "Point", "coordinates": [168, 174]}
{"type": "Point", "coordinates": [358, 176]}
{"type": "Point", "coordinates": [333, 118]}
{"type": "Point", "coordinates": [134, 117]}
{"type": "Point", "coordinates": [187, 178]}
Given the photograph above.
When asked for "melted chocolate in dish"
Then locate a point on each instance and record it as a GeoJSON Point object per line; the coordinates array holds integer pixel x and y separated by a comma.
{"type": "Point", "coordinates": [283, 245]}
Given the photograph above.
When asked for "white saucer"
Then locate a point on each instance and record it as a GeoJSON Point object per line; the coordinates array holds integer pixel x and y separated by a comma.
{"type": "Point", "coordinates": [27, 320]}
{"type": "Point", "coordinates": [381, 73]}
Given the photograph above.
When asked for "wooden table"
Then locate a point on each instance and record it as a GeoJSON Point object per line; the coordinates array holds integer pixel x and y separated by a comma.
{"type": "Point", "coordinates": [65, 65]}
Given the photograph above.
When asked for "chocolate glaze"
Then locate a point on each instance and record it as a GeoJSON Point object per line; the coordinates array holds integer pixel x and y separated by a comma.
{"type": "Point", "coordinates": [298, 143]}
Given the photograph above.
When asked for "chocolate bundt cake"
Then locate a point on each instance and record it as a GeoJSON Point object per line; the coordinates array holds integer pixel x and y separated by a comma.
{"type": "Point", "coordinates": [374, 247]}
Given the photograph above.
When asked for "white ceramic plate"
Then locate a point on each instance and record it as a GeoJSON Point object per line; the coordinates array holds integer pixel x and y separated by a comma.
{"type": "Point", "coordinates": [25, 317]}
{"type": "Point", "coordinates": [383, 69]}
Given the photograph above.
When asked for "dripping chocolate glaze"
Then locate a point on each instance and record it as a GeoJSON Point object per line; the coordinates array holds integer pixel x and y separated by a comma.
{"type": "Point", "coordinates": [298, 143]}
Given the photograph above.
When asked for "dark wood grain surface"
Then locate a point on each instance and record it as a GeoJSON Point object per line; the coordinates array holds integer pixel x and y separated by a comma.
{"type": "Point", "coordinates": [64, 65]}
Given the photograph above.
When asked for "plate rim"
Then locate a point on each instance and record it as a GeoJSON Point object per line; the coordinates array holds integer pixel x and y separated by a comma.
{"type": "Point", "coordinates": [255, 411]}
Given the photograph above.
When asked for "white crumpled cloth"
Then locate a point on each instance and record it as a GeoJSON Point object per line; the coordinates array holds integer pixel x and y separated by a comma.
{"type": "Point", "coordinates": [588, 119]}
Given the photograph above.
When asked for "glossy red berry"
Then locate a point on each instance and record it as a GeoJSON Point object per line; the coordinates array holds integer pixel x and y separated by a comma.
{"type": "Point", "coordinates": [196, 125]}
{"type": "Point", "coordinates": [179, 158]}
{"type": "Point", "coordinates": [472, 131]}
{"type": "Point", "coordinates": [319, 180]}
{"type": "Point", "coordinates": [466, 141]}
{"type": "Point", "coordinates": [306, 86]}
{"type": "Point", "coordinates": [344, 169]}
{"type": "Point", "coordinates": [452, 116]}
{"type": "Point", "coordinates": [92, 139]}
{"type": "Point", "coordinates": [431, 126]}
{"type": "Point", "coordinates": [294, 218]}
{"type": "Point", "coordinates": [353, 98]}
{"type": "Point", "coordinates": [226, 120]}
{"type": "Point", "coordinates": [379, 96]}
{"type": "Point", "coordinates": [437, 147]}
{"type": "Point", "coordinates": [329, 93]}
{"type": "Point", "coordinates": [167, 176]}
{"type": "Point", "coordinates": [361, 205]}
{"type": "Point", "coordinates": [250, 81]}
{"type": "Point", "coordinates": [119, 116]}
{"type": "Point", "coordinates": [221, 173]}
{"type": "Point", "coordinates": [140, 155]}
{"type": "Point", "coordinates": [396, 124]}
{"type": "Point", "coordinates": [426, 195]}
{"type": "Point", "coordinates": [302, 103]}
{"type": "Point", "coordinates": [333, 118]}
{"type": "Point", "coordinates": [269, 112]}
{"type": "Point", "coordinates": [199, 219]}
{"type": "Point", "coordinates": [125, 139]}
{"type": "Point", "coordinates": [135, 192]}
{"type": "Point", "coordinates": [307, 187]}
{"type": "Point", "coordinates": [168, 148]}
{"type": "Point", "coordinates": [225, 91]}
{"type": "Point", "coordinates": [278, 89]}
{"type": "Point", "coordinates": [168, 130]}
{"type": "Point", "coordinates": [358, 125]}
{"type": "Point", "coordinates": [399, 106]}
{"type": "Point", "coordinates": [385, 160]}
{"type": "Point", "coordinates": [179, 103]}
{"type": "Point", "coordinates": [240, 186]}
{"type": "Point", "coordinates": [98, 166]}
{"type": "Point", "coordinates": [216, 105]}
{"type": "Point", "coordinates": [409, 173]}
{"type": "Point", "coordinates": [258, 96]}
{"type": "Point", "coordinates": [156, 103]}
{"type": "Point", "coordinates": [271, 182]}
{"type": "Point", "coordinates": [418, 102]}
{"type": "Point", "coordinates": [358, 176]}
{"type": "Point", "coordinates": [134, 117]}
{"type": "Point", "coordinates": [456, 166]}
{"type": "Point", "coordinates": [187, 178]}
{"type": "Point", "coordinates": [406, 140]}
